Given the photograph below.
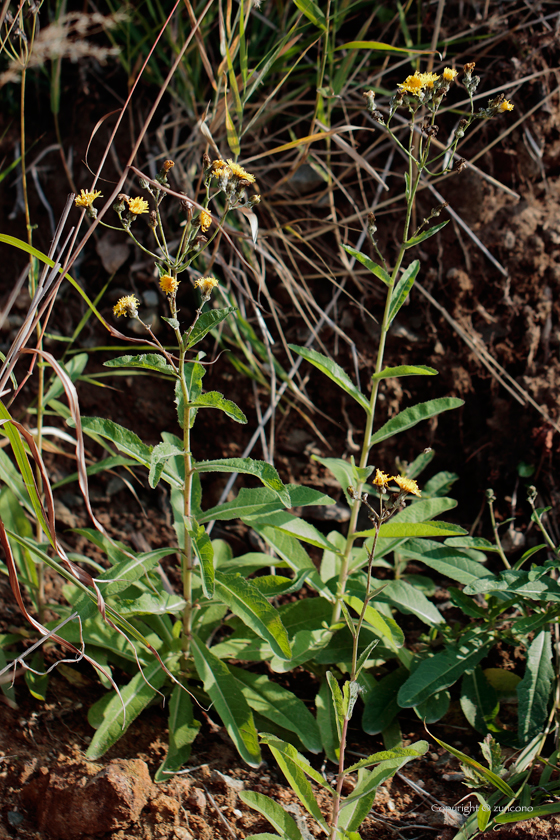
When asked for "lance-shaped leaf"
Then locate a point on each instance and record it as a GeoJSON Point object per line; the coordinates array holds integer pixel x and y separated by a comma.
{"type": "Point", "coordinates": [256, 501]}
{"type": "Point", "coordinates": [452, 563]}
{"type": "Point", "coordinates": [276, 703]}
{"type": "Point", "coordinates": [203, 549]}
{"type": "Point", "coordinates": [147, 361]}
{"type": "Point", "coordinates": [279, 819]}
{"type": "Point", "coordinates": [248, 466]}
{"type": "Point", "coordinates": [228, 701]}
{"type": "Point", "coordinates": [295, 526]}
{"type": "Point", "coordinates": [416, 240]}
{"type": "Point", "coordinates": [159, 456]}
{"type": "Point", "coordinates": [534, 689]}
{"type": "Point", "coordinates": [333, 371]}
{"type": "Point", "coordinates": [135, 696]}
{"type": "Point", "coordinates": [413, 415]}
{"type": "Point", "coordinates": [254, 610]}
{"type": "Point", "coordinates": [382, 625]}
{"type": "Point", "coordinates": [213, 399]}
{"type": "Point", "coordinates": [442, 670]}
{"type": "Point", "coordinates": [492, 778]}
{"type": "Point", "coordinates": [479, 700]}
{"type": "Point", "coordinates": [296, 769]}
{"type": "Point", "coordinates": [402, 290]}
{"type": "Point", "coordinates": [407, 598]}
{"type": "Point", "coordinates": [183, 729]}
{"type": "Point", "coordinates": [405, 370]}
{"type": "Point", "coordinates": [313, 12]}
{"type": "Point", "coordinates": [150, 604]}
{"type": "Point", "coordinates": [206, 322]}
{"type": "Point", "coordinates": [327, 723]}
{"type": "Point", "coordinates": [357, 806]}
{"type": "Point", "coordinates": [346, 474]}
{"type": "Point", "coordinates": [370, 264]}
{"type": "Point", "coordinates": [381, 705]}
{"type": "Point", "coordinates": [400, 530]}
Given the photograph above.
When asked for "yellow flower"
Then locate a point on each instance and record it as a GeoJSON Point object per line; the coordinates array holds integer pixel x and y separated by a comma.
{"type": "Point", "coordinates": [506, 105]}
{"type": "Point", "coordinates": [408, 485]}
{"type": "Point", "coordinates": [138, 205]}
{"type": "Point", "coordinates": [168, 284]}
{"type": "Point", "coordinates": [449, 74]}
{"type": "Point", "coordinates": [127, 305]}
{"type": "Point", "coordinates": [416, 83]}
{"type": "Point", "coordinates": [219, 168]}
{"type": "Point", "coordinates": [86, 198]}
{"type": "Point", "coordinates": [381, 479]}
{"type": "Point", "coordinates": [205, 220]}
{"type": "Point", "coordinates": [206, 284]}
{"type": "Point", "coordinates": [239, 172]}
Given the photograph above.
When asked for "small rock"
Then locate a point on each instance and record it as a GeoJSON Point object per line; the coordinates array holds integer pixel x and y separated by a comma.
{"type": "Point", "coordinates": [227, 781]}
{"type": "Point", "coordinates": [69, 803]}
{"type": "Point", "coordinates": [196, 801]}
{"type": "Point", "coordinates": [164, 808]}
{"type": "Point", "coordinates": [183, 834]}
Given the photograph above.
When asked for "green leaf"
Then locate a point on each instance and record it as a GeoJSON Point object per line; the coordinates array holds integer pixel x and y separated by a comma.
{"type": "Point", "coordinates": [413, 415]}
{"type": "Point", "coordinates": [194, 372]}
{"type": "Point", "coordinates": [452, 563]}
{"type": "Point", "coordinates": [442, 670]}
{"type": "Point", "coordinates": [381, 705]}
{"type": "Point", "coordinates": [534, 689]}
{"type": "Point", "coordinates": [275, 702]}
{"type": "Point", "coordinates": [400, 530]}
{"type": "Point", "coordinates": [408, 599]}
{"type": "Point", "coordinates": [416, 240]}
{"type": "Point", "coordinates": [206, 322]}
{"type": "Point", "coordinates": [471, 542]}
{"type": "Point", "coordinates": [402, 290]}
{"type": "Point", "coordinates": [517, 584]}
{"type": "Point", "coordinates": [379, 45]}
{"type": "Point", "coordinates": [183, 729]}
{"type": "Point", "coordinates": [73, 367]}
{"type": "Point", "coordinates": [479, 700]}
{"type": "Point", "coordinates": [434, 708]}
{"type": "Point", "coordinates": [405, 370]}
{"type": "Point", "coordinates": [147, 361]}
{"type": "Point", "coordinates": [203, 549]}
{"type": "Point", "coordinates": [293, 553]}
{"type": "Point", "coordinates": [139, 692]}
{"type": "Point", "coordinates": [312, 12]}
{"type": "Point", "coordinates": [358, 804]}
{"type": "Point", "coordinates": [296, 769]}
{"type": "Point", "coordinates": [294, 526]}
{"type": "Point", "coordinates": [346, 473]}
{"type": "Point", "coordinates": [263, 471]}
{"type": "Point", "coordinates": [228, 701]}
{"type": "Point", "coordinates": [334, 372]}
{"type": "Point", "coordinates": [213, 399]}
{"type": "Point", "coordinates": [37, 678]}
{"type": "Point", "coordinates": [279, 819]}
{"type": "Point", "coordinates": [337, 702]}
{"type": "Point", "coordinates": [383, 626]}
{"type": "Point", "coordinates": [327, 722]}
{"type": "Point", "coordinates": [532, 812]}
{"type": "Point", "coordinates": [253, 609]}
{"type": "Point", "coordinates": [257, 501]}
{"type": "Point", "coordinates": [384, 755]}
{"type": "Point", "coordinates": [160, 454]}
{"type": "Point", "coordinates": [150, 604]}
{"type": "Point", "coordinates": [373, 267]}
{"type": "Point", "coordinates": [490, 777]}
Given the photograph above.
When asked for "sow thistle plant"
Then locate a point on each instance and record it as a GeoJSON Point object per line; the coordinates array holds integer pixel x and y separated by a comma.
{"type": "Point", "coordinates": [181, 644]}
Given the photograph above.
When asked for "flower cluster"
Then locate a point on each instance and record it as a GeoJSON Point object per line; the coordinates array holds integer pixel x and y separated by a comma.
{"type": "Point", "coordinates": [168, 284]}
{"type": "Point", "coordinates": [233, 180]}
{"type": "Point", "coordinates": [206, 284]}
{"type": "Point", "coordinates": [127, 305]}
{"type": "Point", "coordinates": [423, 88]}
{"type": "Point", "coordinates": [407, 485]}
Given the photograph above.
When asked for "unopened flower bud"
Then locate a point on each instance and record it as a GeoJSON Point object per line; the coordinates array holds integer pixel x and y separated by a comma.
{"type": "Point", "coordinates": [152, 219]}
{"type": "Point", "coordinates": [372, 227]}
{"type": "Point", "coordinates": [143, 183]}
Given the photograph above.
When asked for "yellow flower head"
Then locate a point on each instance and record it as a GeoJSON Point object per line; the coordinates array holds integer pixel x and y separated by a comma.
{"type": "Point", "coordinates": [206, 284]}
{"type": "Point", "coordinates": [506, 105]}
{"type": "Point", "coordinates": [449, 74]}
{"type": "Point", "coordinates": [219, 168]}
{"type": "Point", "coordinates": [168, 284]}
{"type": "Point", "coordinates": [239, 172]}
{"type": "Point", "coordinates": [408, 485]}
{"type": "Point", "coordinates": [205, 220]}
{"type": "Point", "coordinates": [381, 479]}
{"type": "Point", "coordinates": [127, 305]}
{"type": "Point", "coordinates": [86, 198]}
{"type": "Point", "coordinates": [416, 83]}
{"type": "Point", "coordinates": [138, 205]}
